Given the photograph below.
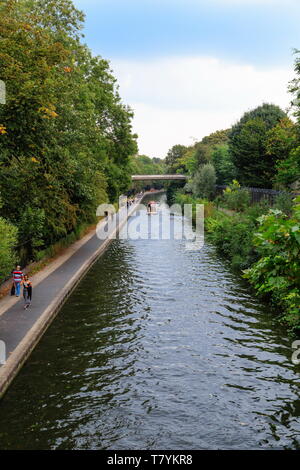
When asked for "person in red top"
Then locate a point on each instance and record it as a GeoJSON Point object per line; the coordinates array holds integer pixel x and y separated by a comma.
{"type": "Point", "coordinates": [18, 278]}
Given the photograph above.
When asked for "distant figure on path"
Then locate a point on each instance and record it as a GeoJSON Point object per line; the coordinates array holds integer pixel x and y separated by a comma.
{"type": "Point", "coordinates": [18, 278]}
{"type": "Point", "coordinates": [27, 292]}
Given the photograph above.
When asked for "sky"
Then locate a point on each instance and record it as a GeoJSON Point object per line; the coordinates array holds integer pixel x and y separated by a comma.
{"type": "Point", "coordinates": [190, 67]}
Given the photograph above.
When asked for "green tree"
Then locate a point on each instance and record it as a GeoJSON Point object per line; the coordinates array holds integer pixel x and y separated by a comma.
{"type": "Point", "coordinates": [222, 161]}
{"type": "Point", "coordinates": [65, 135]}
{"type": "Point", "coordinates": [143, 165]}
{"type": "Point", "coordinates": [208, 144]}
{"type": "Point", "coordinates": [8, 241]}
{"type": "Point", "coordinates": [188, 161]}
{"type": "Point", "coordinates": [247, 143]}
{"type": "Point", "coordinates": [288, 171]}
{"type": "Point", "coordinates": [204, 181]}
{"type": "Point", "coordinates": [173, 158]}
{"type": "Point", "coordinates": [281, 140]}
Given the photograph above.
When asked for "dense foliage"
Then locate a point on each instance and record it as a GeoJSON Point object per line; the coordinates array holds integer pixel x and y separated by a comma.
{"type": "Point", "coordinates": [210, 143]}
{"type": "Point", "coordinates": [173, 159]}
{"type": "Point", "coordinates": [222, 161]}
{"type": "Point", "coordinates": [65, 135]}
{"type": "Point", "coordinates": [235, 198]}
{"type": "Point", "coordinates": [265, 244]}
{"type": "Point", "coordinates": [143, 165]}
{"type": "Point", "coordinates": [248, 141]}
{"type": "Point", "coordinates": [204, 181]}
{"type": "Point", "coordinates": [277, 272]}
{"type": "Point", "coordinates": [8, 241]}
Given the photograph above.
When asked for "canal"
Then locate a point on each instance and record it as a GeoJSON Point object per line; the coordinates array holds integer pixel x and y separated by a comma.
{"type": "Point", "coordinates": [158, 347]}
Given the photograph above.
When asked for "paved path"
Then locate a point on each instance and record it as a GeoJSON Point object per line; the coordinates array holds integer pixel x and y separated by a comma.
{"type": "Point", "coordinates": [21, 329]}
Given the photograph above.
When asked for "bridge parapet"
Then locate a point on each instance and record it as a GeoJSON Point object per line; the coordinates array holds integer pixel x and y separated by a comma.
{"type": "Point", "coordinates": [158, 177]}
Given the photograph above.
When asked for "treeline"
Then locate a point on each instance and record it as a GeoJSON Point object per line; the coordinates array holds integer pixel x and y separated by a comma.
{"type": "Point", "coordinates": [65, 135]}
{"type": "Point", "coordinates": [261, 150]}
{"type": "Point", "coordinates": [144, 165]}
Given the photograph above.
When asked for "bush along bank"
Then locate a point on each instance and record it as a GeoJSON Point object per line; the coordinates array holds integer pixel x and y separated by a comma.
{"type": "Point", "coordinates": [277, 272]}
{"type": "Point", "coordinates": [263, 244]}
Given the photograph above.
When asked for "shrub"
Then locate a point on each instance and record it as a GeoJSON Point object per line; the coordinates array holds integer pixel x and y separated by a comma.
{"type": "Point", "coordinates": [232, 236]}
{"type": "Point", "coordinates": [204, 181]}
{"type": "Point", "coordinates": [8, 241]}
{"type": "Point", "coordinates": [256, 210]}
{"type": "Point", "coordinates": [236, 198]}
{"type": "Point", "coordinates": [277, 273]}
{"type": "Point", "coordinates": [284, 202]}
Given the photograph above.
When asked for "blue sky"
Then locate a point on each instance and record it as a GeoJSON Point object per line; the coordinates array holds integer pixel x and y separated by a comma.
{"type": "Point", "coordinates": [257, 31]}
{"type": "Point", "coordinates": [227, 47]}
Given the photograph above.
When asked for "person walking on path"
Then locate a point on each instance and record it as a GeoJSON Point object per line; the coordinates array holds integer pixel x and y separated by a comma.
{"type": "Point", "coordinates": [27, 292]}
{"type": "Point", "coordinates": [17, 278]}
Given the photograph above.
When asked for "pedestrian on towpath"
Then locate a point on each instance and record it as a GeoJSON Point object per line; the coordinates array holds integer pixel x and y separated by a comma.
{"type": "Point", "coordinates": [17, 278]}
{"type": "Point", "coordinates": [27, 291]}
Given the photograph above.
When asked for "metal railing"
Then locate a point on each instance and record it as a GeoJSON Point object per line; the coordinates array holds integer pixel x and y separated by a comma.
{"type": "Point", "coordinates": [259, 194]}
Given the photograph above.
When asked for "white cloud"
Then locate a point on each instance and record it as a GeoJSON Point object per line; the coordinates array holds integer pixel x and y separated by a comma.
{"type": "Point", "coordinates": [175, 99]}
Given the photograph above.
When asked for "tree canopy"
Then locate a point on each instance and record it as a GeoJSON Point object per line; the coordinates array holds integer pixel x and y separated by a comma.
{"type": "Point", "coordinates": [66, 136]}
{"type": "Point", "coordinates": [247, 142]}
{"type": "Point", "coordinates": [173, 158]}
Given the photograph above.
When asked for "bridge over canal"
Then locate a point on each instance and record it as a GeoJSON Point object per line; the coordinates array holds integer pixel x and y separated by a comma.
{"type": "Point", "coordinates": [159, 177]}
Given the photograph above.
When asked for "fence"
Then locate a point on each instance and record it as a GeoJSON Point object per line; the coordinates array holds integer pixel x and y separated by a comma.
{"type": "Point", "coordinates": [259, 194]}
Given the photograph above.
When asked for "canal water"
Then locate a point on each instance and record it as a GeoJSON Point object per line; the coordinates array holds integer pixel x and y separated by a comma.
{"type": "Point", "coordinates": [159, 347]}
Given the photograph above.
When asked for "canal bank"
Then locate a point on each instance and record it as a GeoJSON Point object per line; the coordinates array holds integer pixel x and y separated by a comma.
{"type": "Point", "coordinates": [21, 330]}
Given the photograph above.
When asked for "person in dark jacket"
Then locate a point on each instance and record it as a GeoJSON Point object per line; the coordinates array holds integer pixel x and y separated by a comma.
{"type": "Point", "coordinates": [27, 292]}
